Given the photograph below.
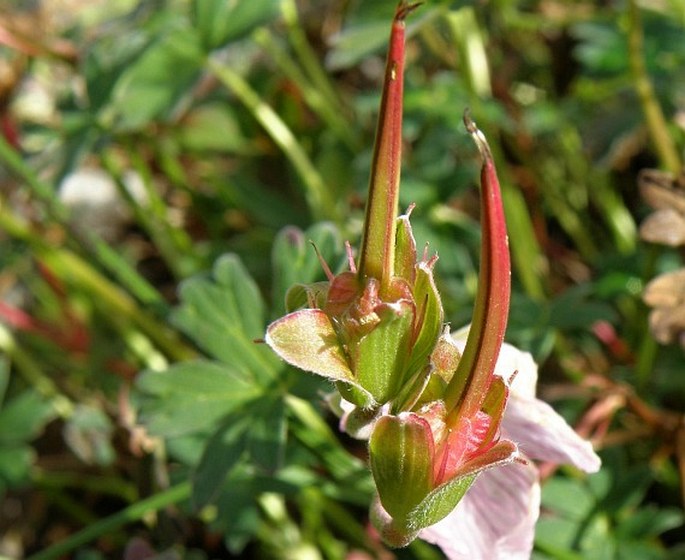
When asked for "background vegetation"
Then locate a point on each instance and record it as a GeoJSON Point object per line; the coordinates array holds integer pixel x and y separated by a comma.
{"type": "Point", "coordinates": [137, 414]}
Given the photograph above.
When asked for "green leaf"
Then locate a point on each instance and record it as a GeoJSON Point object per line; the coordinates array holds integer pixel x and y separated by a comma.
{"type": "Point", "coordinates": [267, 435]}
{"type": "Point", "coordinates": [224, 449]}
{"type": "Point", "coordinates": [155, 82]}
{"type": "Point", "coordinates": [4, 378]}
{"type": "Point", "coordinates": [23, 418]}
{"type": "Point", "coordinates": [254, 433]}
{"type": "Point", "coordinates": [224, 315]}
{"type": "Point", "coordinates": [192, 396]}
{"type": "Point", "coordinates": [308, 426]}
{"type": "Point", "coordinates": [238, 516]}
{"type": "Point", "coordinates": [15, 464]}
{"type": "Point", "coordinates": [556, 497]}
{"type": "Point", "coordinates": [214, 127]}
{"type": "Point", "coordinates": [221, 21]}
{"type": "Point", "coordinates": [575, 310]}
{"type": "Point", "coordinates": [648, 522]}
{"type": "Point", "coordinates": [356, 43]}
{"type": "Point", "coordinates": [295, 260]}
{"type": "Point", "coordinates": [361, 40]}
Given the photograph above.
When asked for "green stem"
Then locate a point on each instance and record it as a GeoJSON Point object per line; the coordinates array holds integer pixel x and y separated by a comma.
{"type": "Point", "coordinates": [131, 514]}
{"type": "Point", "coordinates": [33, 374]}
{"type": "Point", "coordinates": [78, 271]}
{"type": "Point", "coordinates": [73, 268]}
{"type": "Point", "coordinates": [309, 427]}
{"type": "Point", "coordinates": [329, 113]}
{"type": "Point", "coordinates": [174, 244]}
{"type": "Point", "coordinates": [110, 260]}
{"type": "Point", "coordinates": [654, 116]}
{"type": "Point", "coordinates": [115, 263]}
{"type": "Point", "coordinates": [69, 506]}
{"type": "Point", "coordinates": [108, 485]}
{"type": "Point", "coordinates": [318, 197]}
{"type": "Point", "coordinates": [644, 366]}
{"type": "Point", "coordinates": [16, 166]}
{"type": "Point", "coordinates": [529, 260]}
{"type": "Point", "coordinates": [317, 75]}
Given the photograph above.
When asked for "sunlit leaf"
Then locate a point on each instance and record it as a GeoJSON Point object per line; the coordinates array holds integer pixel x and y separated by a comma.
{"type": "Point", "coordinates": [224, 315]}
{"type": "Point", "coordinates": [153, 84]}
{"type": "Point", "coordinates": [221, 21]}
{"type": "Point", "coordinates": [192, 396]}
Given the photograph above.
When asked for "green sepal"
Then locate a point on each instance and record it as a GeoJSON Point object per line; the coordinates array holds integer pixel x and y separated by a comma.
{"type": "Point", "coordinates": [356, 394]}
{"type": "Point", "coordinates": [494, 404]}
{"type": "Point", "coordinates": [306, 339]}
{"type": "Point", "coordinates": [401, 455]}
{"type": "Point", "coordinates": [441, 501]}
{"type": "Point", "coordinates": [432, 390]}
{"type": "Point", "coordinates": [380, 356]}
{"type": "Point", "coordinates": [443, 362]}
{"type": "Point", "coordinates": [429, 317]}
{"type": "Point", "coordinates": [438, 503]}
{"type": "Point", "coordinates": [405, 250]}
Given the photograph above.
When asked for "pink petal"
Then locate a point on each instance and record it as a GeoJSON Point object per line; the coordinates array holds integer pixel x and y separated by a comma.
{"type": "Point", "coordinates": [512, 360]}
{"type": "Point", "coordinates": [542, 434]}
{"type": "Point", "coordinates": [496, 518]}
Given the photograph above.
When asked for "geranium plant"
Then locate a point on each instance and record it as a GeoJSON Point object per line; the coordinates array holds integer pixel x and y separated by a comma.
{"type": "Point", "coordinates": [432, 408]}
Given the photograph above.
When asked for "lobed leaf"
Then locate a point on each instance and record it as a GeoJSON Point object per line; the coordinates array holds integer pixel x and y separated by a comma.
{"type": "Point", "coordinates": [192, 396]}
{"type": "Point", "coordinates": [24, 417]}
{"type": "Point", "coordinates": [224, 315]}
{"type": "Point", "coordinates": [219, 21]}
{"type": "Point", "coordinates": [154, 82]}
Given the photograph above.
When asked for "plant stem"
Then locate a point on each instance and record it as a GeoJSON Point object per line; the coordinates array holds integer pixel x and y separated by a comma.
{"type": "Point", "coordinates": [329, 113]}
{"type": "Point", "coordinates": [469, 385]}
{"type": "Point", "coordinates": [528, 258]}
{"type": "Point", "coordinates": [377, 255]}
{"type": "Point", "coordinates": [16, 165]}
{"type": "Point", "coordinates": [298, 39]}
{"type": "Point", "coordinates": [130, 514]}
{"type": "Point", "coordinates": [654, 116]}
{"type": "Point", "coordinates": [105, 484]}
{"type": "Point", "coordinates": [76, 270]}
{"type": "Point", "coordinates": [108, 258]}
{"type": "Point", "coordinates": [33, 373]}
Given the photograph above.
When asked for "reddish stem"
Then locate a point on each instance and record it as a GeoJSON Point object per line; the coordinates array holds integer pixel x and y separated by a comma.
{"type": "Point", "coordinates": [468, 387]}
{"type": "Point", "coordinates": [378, 243]}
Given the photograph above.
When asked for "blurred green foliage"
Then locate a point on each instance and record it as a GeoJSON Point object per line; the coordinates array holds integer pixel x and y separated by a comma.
{"type": "Point", "coordinates": [130, 357]}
